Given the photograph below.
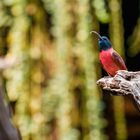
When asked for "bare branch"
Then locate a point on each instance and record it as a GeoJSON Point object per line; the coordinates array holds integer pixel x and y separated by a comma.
{"type": "Point", "coordinates": [123, 83]}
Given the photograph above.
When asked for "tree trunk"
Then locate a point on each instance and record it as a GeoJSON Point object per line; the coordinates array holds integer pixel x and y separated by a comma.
{"type": "Point", "coordinates": [123, 83]}
{"type": "Point", "coordinates": [7, 129]}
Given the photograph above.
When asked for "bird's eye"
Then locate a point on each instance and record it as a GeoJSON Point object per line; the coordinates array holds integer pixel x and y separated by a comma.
{"type": "Point", "coordinates": [105, 38]}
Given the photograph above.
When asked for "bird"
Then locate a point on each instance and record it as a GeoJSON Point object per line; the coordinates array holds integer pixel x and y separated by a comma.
{"type": "Point", "coordinates": [110, 60]}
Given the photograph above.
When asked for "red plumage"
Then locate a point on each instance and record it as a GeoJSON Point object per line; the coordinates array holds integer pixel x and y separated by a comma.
{"type": "Point", "coordinates": [111, 61]}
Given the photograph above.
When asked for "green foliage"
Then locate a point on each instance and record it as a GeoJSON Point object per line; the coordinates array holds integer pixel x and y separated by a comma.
{"type": "Point", "coordinates": [101, 11]}
{"type": "Point", "coordinates": [134, 41]}
{"type": "Point", "coordinates": [53, 81]}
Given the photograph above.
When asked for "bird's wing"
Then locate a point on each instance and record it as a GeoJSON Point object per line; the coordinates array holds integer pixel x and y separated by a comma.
{"type": "Point", "coordinates": [118, 60]}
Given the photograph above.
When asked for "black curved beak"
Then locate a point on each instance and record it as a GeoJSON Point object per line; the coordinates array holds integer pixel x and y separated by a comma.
{"type": "Point", "coordinates": [100, 38]}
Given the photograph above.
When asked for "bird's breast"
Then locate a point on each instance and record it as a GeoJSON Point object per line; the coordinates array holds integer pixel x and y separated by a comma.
{"type": "Point", "coordinates": [105, 57]}
{"type": "Point", "coordinates": [107, 62]}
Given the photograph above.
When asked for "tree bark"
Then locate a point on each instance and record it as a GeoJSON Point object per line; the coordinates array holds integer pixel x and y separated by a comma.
{"type": "Point", "coordinates": [123, 83]}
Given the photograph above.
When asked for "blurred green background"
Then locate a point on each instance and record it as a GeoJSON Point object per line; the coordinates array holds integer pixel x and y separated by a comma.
{"type": "Point", "coordinates": [50, 67]}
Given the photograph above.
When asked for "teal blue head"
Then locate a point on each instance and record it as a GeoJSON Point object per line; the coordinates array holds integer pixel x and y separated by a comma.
{"type": "Point", "coordinates": [103, 42]}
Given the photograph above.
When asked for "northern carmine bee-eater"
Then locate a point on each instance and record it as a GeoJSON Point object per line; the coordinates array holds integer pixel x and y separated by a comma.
{"type": "Point", "coordinates": [109, 58]}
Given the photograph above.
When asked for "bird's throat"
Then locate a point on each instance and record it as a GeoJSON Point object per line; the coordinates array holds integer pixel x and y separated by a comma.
{"type": "Point", "coordinates": [104, 48]}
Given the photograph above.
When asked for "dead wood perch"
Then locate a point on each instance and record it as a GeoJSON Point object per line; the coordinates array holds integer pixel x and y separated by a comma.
{"type": "Point", "coordinates": [123, 83]}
